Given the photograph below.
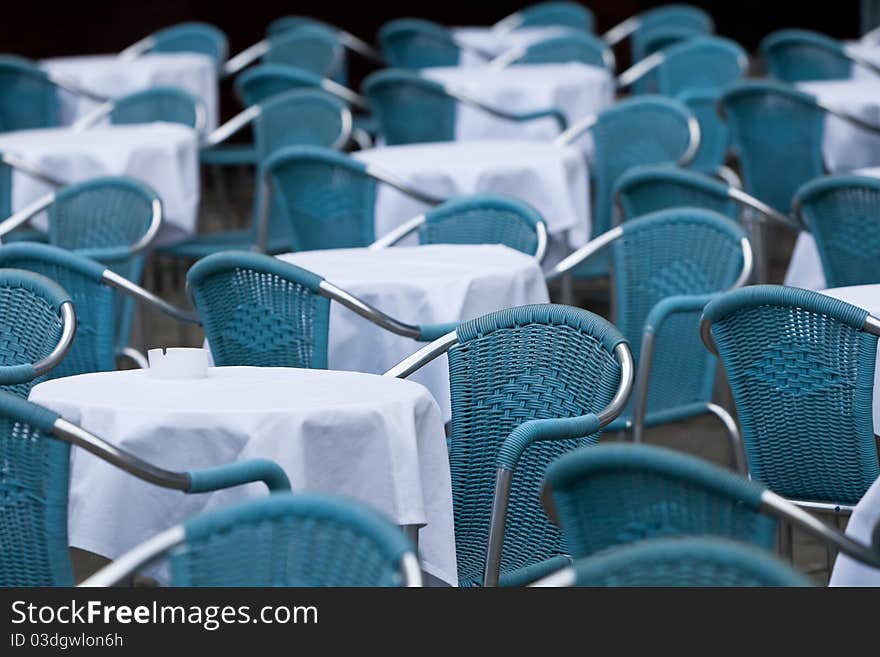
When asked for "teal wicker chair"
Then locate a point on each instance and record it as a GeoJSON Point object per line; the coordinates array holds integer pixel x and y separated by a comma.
{"type": "Point", "coordinates": [666, 266]}
{"type": "Point", "coordinates": [168, 104]}
{"type": "Point", "coordinates": [260, 311]}
{"type": "Point", "coordinates": [261, 82]}
{"type": "Point", "coordinates": [527, 384]}
{"type": "Point", "coordinates": [97, 292]}
{"type": "Point", "coordinates": [112, 220]}
{"type": "Point", "coordinates": [680, 562]}
{"type": "Point", "coordinates": [801, 369]}
{"type": "Point", "coordinates": [310, 47]}
{"type": "Point", "coordinates": [35, 451]}
{"type": "Point", "coordinates": [574, 47]}
{"type": "Point", "coordinates": [412, 109]}
{"type": "Point", "coordinates": [37, 331]}
{"type": "Point", "coordinates": [414, 43]}
{"type": "Point", "coordinates": [554, 12]}
{"type": "Point", "coordinates": [617, 495]}
{"type": "Point", "coordinates": [638, 131]}
{"type": "Point", "coordinates": [655, 28]}
{"type": "Point", "coordinates": [477, 219]}
{"type": "Point", "coordinates": [302, 539]}
{"type": "Point", "coordinates": [200, 38]}
{"type": "Point", "coordinates": [842, 214]}
{"type": "Point", "coordinates": [800, 55]}
{"type": "Point", "coordinates": [348, 40]}
{"type": "Point", "coordinates": [711, 156]}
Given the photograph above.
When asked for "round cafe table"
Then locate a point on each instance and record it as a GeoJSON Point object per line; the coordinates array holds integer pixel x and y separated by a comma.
{"type": "Point", "coordinates": [165, 156]}
{"type": "Point", "coordinates": [553, 179]}
{"type": "Point", "coordinates": [375, 439]}
{"type": "Point", "coordinates": [112, 76]}
{"type": "Point", "coordinates": [430, 284]}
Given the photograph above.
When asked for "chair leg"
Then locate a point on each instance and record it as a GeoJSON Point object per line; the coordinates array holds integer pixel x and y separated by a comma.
{"type": "Point", "coordinates": [566, 290]}
{"type": "Point", "coordinates": [786, 540]}
{"type": "Point", "coordinates": [736, 444]}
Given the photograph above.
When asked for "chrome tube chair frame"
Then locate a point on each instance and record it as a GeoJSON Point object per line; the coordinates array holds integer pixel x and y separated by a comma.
{"type": "Point", "coordinates": [549, 12]}
{"type": "Point", "coordinates": [427, 30]}
{"type": "Point", "coordinates": [646, 353]}
{"type": "Point", "coordinates": [206, 30]}
{"type": "Point", "coordinates": [818, 41]}
{"type": "Point", "coordinates": [504, 474]}
{"type": "Point", "coordinates": [633, 24]}
{"type": "Point", "coordinates": [18, 164]}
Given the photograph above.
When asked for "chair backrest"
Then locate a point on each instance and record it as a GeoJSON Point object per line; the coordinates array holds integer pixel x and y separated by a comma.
{"type": "Point", "coordinates": [192, 37]}
{"type": "Point", "coordinates": [714, 133]}
{"type": "Point", "coordinates": [483, 219]}
{"type": "Point", "coordinates": [309, 47]}
{"type": "Point", "coordinates": [612, 495]}
{"type": "Point", "coordinates": [285, 23]}
{"type": "Point", "coordinates": [320, 199]}
{"type": "Point", "coordinates": [555, 12]}
{"type": "Point", "coordinates": [258, 310]}
{"type": "Point", "coordinates": [666, 24]}
{"type": "Point", "coordinates": [259, 83]}
{"type": "Point", "coordinates": [5, 188]}
{"type": "Point", "coordinates": [705, 63]}
{"type": "Point", "coordinates": [307, 117]}
{"type": "Point", "coordinates": [28, 99]}
{"type": "Point", "coordinates": [306, 539]}
{"type": "Point", "coordinates": [687, 562]}
{"type": "Point", "coordinates": [843, 215]}
{"type": "Point", "coordinates": [95, 302]}
{"type": "Point", "coordinates": [168, 104]}
{"type": "Point", "coordinates": [32, 326]}
{"type": "Point", "coordinates": [575, 47]}
{"type": "Point", "coordinates": [644, 130]}
{"type": "Point", "coordinates": [643, 190]}
{"type": "Point", "coordinates": [410, 108]}
{"type": "Point", "coordinates": [801, 368]}
{"type": "Point", "coordinates": [511, 366]}
{"type": "Point", "coordinates": [776, 132]}
{"type": "Point", "coordinates": [34, 550]}
{"type": "Point", "coordinates": [415, 43]}
{"type": "Point", "coordinates": [800, 55]}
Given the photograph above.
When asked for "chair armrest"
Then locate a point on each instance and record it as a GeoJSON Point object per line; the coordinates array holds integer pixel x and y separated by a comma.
{"type": "Point", "coordinates": [532, 431]}
{"type": "Point", "coordinates": [555, 114]}
{"type": "Point", "coordinates": [236, 474]}
{"type": "Point", "coordinates": [672, 305]}
{"type": "Point", "coordinates": [431, 332]}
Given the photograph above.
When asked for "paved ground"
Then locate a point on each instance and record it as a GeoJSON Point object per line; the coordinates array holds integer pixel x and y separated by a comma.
{"type": "Point", "coordinates": [703, 437]}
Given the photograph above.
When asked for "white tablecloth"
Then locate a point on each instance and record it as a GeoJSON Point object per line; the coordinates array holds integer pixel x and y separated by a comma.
{"type": "Point", "coordinates": [868, 52]}
{"type": "Point", "coordinates": [551, 178]}
{"type": "Point", "coordinates": [110, 76]}
{"type": "Point", "coordinates": [419, 285]}
{"type": "Point", "coordinates": [848, 572]}
{"type": "Point", "coordinates": [495, 42]}
{"type": "Point", "coordinates": [805, 267]}
{"type": "Point", "coordinates": [375, 439]}
{"type": "Point", "coordinates": [576, 89]}
{"type": "Point", "coordinates": [163, 155]}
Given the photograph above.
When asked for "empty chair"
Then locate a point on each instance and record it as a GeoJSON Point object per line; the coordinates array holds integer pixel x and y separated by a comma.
{"type": "Point", "coordinates": [617, 495]}
{"type": "Point", "coordinates": [575, 47]}
{"type": "Point", "coordinates": [261, 311]}
{"type": "Point", "coordinates": [39, 322]}
{"type": "Point", "coordinates": [168, 104]}
{"type": "Point", "coordinates": [711, 155]}
{"type": "Point", "coordinates": [414, 43]}
{"type": "Point", "coordinates": [667, 266]}
{"type": "Point", "coordinates": [656, 26]}
{"type": "Point", "coordinates": [194, 37]}
{"type": "Point", "coordinates": [97, 292]}
{"type": "Point", "coordinates": [312, 48]}
{"type": "Point", "coordinates": [302, 539]}
{"type": "Point", "coordinates": [260, 82]}
{"type": "Point", "coordinates": [800, 55]}
{"type": "Point", "coordinates": [680, 562]}
{"type": "Point", "coordinates": [554, 12]}
{"type": "Point", "coordinates": [527, 384]}
{"type": "Point", "coordinates": [478, 219]}
{"type": "Point", "coordinates": [413, 109]}
{"type": "Point", "coordinates": [347, 39]}
{"type": "Point", "coordinates": [35, 450]}
{"type": "Point", "coordinates": [842, 214]}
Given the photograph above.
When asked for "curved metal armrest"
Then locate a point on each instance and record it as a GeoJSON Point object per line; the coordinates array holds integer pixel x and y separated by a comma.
{"type": "Point", "coordinates": [25, 214]}
{"type": "Point", "coordinates": [852, 119]}
{"type": "Point", "coordinates": [401, 185]}
{"type": "Point", "coordinates": [515, 445]}
{"type": "Point", "coordinates": [622, 30]}
{"type": "Point", "coordinates": [684, 303]}
{"type": "Point", "coordinates": [246, 57]}
{"type": "Point", "coordinates": [72, 88]}
{"type": "Point", "coordinates": [124, 285]}
{"type": "Point", "coordinates": [20, 165]}
{"type": "Point", "coordinates": [138, 48]}
{"type": "Point", "coordinates": [584, 253]}
{"type": "Point", "coordinates": [640, 69]}
{"type": "Point", "coordinates": [93, 117]}
{"type": "Point", "coordinates": [361, 47]}
{"type": "Point", "coordinates": [237, 474]}
{"type": "Point", "coordinates": [576, 130]}
{"type": "Point", "coordinates": [388, 239]}
{"type": "Point", "coordinates": [464, 97]}
{"type": "Point", "coordinates": [423, 356]}
{"type": "Point", "coordinates": [232, 126]}
{"type": "Point", "coordinates": [431, 332]}
{"type": "Point", "coordinates": [749, 201]}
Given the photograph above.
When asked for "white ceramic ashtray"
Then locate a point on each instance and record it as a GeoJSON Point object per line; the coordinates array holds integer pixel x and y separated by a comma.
{"type": "Point", "coordinates": [178, 363]}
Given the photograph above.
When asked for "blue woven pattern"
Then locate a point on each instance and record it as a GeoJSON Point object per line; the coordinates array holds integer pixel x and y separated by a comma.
{"type": "Point", "coordinates": [285, 23]}
{"type": "Point", "coordinates": [483, 219]}
{"type": "Point", "coordinates": [843, 215]}
{"type": "Point", "coordinates": [33, 500]}
{"type": "Point", "coordinates": [290, 540]}
{"type": "Point", "coordinates": [680, 562]}
{"type": "Point", "coordinates": [326, 198]}
{"type": "Point", "coordinates": [410, 109]}
{"type": "Point", "coordinates": [311, 48]}
{"type": "Point", "coordinates": [583, 48]}
{"type": "Point", "coordinates": [93, 344]}
{"type": "Point", "coordinates": [193, 37]}
{"type": "Point", "coordinates": [619, 494]}
{"type": "Point", "coordinates": [701, 63]}
{"type": "Point", "coordinates": [714, 134]}
{"type": "Point", "coordinates": [27, 98]}
{"type": "Point", "coordinates": [777, 133]}
{"type": "Point", "coordinates": [671, 253]}
{"type": "Point", "coordinates": [259, 83]}
{"type": "Point", "coordinates": [168, 104]}
{"type": "Point", "coordinates": [802, 374]}
{"type": "Point", "coordinates": [305, 117]}
{"type": "Point", "coordinates": [415, 43]}
{"type": "Point", "coordinates": [533, 362]}
{"type": "Point", "coordinates": [800, 55]}
{"type": "Point", "coordinates": [567, 14]}
{"type": "Point", "coordinates": [666, 24]}
{"type": "Point", "coordinates": [660, 187]}
{"type": "Point", "coordinates": [260, 311]}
